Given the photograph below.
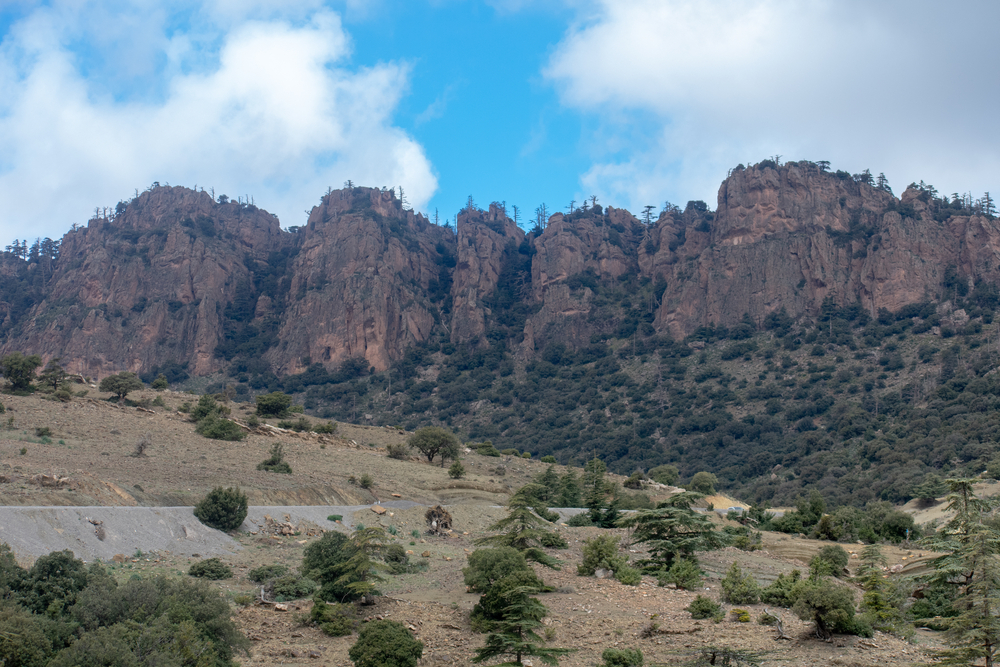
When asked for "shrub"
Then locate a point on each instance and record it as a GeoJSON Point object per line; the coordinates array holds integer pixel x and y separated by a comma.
{"type": "Point", "coordinates": [265, 573]}
{"type": "Point", "coordinates": [510, 452]}
{"type": "Point", "coordinates": [665, 474]}
{"type": "Point", "coordinates": [217, 428]}
{"type": "Point", "coordinates": [703, 482]}
{"type": "Point", "coordinates": [224, 509]}
{"type": "Point", "coordinates": [831, 560]}
{"type": "Point", "coordinates": [397, 451]}
{"type": "Point", "coordinates": [160, 383]}
{"type": "Point", "coordinates": [275, 404]}
{"type": "Point", "coordinates": [335, 517]}
{"type": "Point", "coordinates": [335, 619]}
{"type": "Point", "coordinates": [704, 607]}
{"type": "Point", "coordinates": [740, 615]}
{"type": "Point", "coordinates": [121, 384]}
{"type": "Point", "coordinates": [210, 568]}
{"type": "Point", "coordinates": [782, 591]}
{"type": "Point", "coordinates": [43, 432]}
{"type": "Point", "coordinates": [634, 481]}
{"type": "Point", "coordinates": [511, 589]}
{"type": "Point", "coordinates": [581, 520]}
{"type": "Point", "coordinates": [548, 459]}
{"type": "Point", "coordinates": [385, 644]}
{"type": "Point", "coordinates": [628, 575]}
{"type": "Point", "coordinates": [276, 462]}
{"type": "Point", "coordinates": [327, 428]}
{"type": "Point", "coordinates": [488, 566]}
{"type": "Point", "coordinates": [831, 607]}
{"type": "Point", "coordinates": [300, 425]}
{"type": "Point", "coordinates": [622, 657]}
{"type": "Point", "coordinates": [684, 573]}
{"type": "Point", "coordinates": [739, 588]}
{"type": "Point", "coordinates": [291, 587]}
{"type": "Point", "coordinates": [526, 455]}
{"type": "Point", "coordinates": [456, 471]}
{"type": "Point", "coordinates": [601, 552]}
{"type": "Point", "coordinates": [366, 481]}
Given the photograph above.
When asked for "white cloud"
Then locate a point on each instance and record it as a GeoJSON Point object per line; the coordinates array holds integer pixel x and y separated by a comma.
{"type": "Point", "coordinates": [274, 113]}
{"type": "Point", "coordinates": [900, 87]}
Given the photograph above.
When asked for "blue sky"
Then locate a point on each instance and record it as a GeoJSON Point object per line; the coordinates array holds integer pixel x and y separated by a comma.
{"type": "Point", "coordinates": [635, 101]}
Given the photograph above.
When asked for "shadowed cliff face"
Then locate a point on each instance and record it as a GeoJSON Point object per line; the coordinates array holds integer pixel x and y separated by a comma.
{"type": "Point", "coordinates": [175, 277]}
{"type": "Point", "coordinates": [365, 283]}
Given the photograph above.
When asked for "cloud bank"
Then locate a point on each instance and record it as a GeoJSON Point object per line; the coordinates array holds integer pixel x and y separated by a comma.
{"type": "Point", "coordinates": [242, 97]}
{"type": "Point", "coordinates": [683, 90]}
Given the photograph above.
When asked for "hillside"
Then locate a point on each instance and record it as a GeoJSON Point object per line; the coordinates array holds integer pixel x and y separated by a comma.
{"type": "Point", "coordinates": [814, 331]}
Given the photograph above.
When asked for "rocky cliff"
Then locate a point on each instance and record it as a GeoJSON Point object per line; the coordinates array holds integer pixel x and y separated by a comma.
{"type": "Point", "coordinates": [175, 277]}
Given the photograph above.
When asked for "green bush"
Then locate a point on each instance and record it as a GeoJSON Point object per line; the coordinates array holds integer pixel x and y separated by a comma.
{"type": "Point", "coordinates": [684, 573]}
{"type": "Point", "coordinates": [300, 425]}
{"type": "Point", "coordinates": [622, 657]}
{"type": "Point", "coordinates": [703, 482]}
{"type": "Point", "coordinates": [276, 462]}
{"type": "Point", "coordinates": [488, 566]}
{"type": "Point", "coordinates": [334, 619]}
{"type": "Point", "coordinates": [510, 452]}
{"type": "Point", "coordinates": [224, 509]}
{"type": "Point", "coordinates": [397, 451]}
{"type": "Point", "coordinates": [160, 383]}
{"type": "Point", "coordinates": [601, 552]}
{"type": "Point", "coordinates": [121, 384]}
{"type": "Point", "coordinates": [704, 607]}
{"type": "Point", "coordinates": [291, 587]}
{"type": "Point", "coordinates": [510, 589]}
{"type": "Point", "coordinates": [665, 474]}
{"type": "Point", "coordinates": [265, 573]}
{"type": "Point", "coordinates": [216, 428]}
{"type": "Point", "coordinates": [831, 560]}
{"type": "Point", "coordinates": [581, 520]}
{"type": "Point", "coordinates": [275, 404]}
{"type": "Point", "coordinates": [210, 568]}
{"type": "Point", "coordinates": [366, 481]}
{"type": "Point", "coordinates": [335, 517]}
{"type": "Point", "coordinates": [385, 644]}
{"type": "Point", "coordinates": [548, 459]}
{"type": "Point", "coordinates": [327, 428]}
{"type": "Point", "coordinates": [740, 615]}
{"type": "Point", "coordinates": [782, 591]}
{"type": "Point", "coordinates": [456, 471]}
{"type": "Point", "coordinates": [831, 607]}
{"type": "Point", "coordinates": [43, 432]}
{"type": "Point", "coordinates": [628, 575]}
{"type": "Point", "coordinates": [739, 588]}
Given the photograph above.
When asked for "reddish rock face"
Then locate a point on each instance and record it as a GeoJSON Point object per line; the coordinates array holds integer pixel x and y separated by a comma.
{"type": "Point", "coordinates": [361, 283]}
{"type": "Point", "coordinates": [150, 285]}
{"type": "Point", "coordinates": [793, 236]}
{"type": "Point", "coordinates": [485, 240]}
{"type": "Point", "coordinates": [177, 277]}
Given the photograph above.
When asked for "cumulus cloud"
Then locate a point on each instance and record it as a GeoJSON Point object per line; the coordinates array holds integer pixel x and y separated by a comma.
{"type": "Point", "coordinates": [272, 112]}
{"type": "Point", "coordinates": [685, 89]}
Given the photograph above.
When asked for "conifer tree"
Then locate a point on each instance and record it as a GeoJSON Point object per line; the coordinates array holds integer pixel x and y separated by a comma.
{"type": "Point", "coordinates": [672, 531]}
{"type": "Point", "coordinates": [515, 635]}
{"type": "Point", "coordinates": [521, 529]}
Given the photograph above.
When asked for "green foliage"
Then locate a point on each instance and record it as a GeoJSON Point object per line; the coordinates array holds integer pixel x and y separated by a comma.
{"type": "Point", "coordinates": [326, 429]}
{"type": "Point", "coordinates": [160, 383]}
{"type": "Point", "coordinates": [830, 561]}
{"type": "Point", "coordinates": [671, 531]}
{"type": "Point", "coordinates": [740, 588]}
{"type": "Point", "coordinates": [291, 587]}
{"type": "Point", "coordinates": [19, 370]}
{"type": "Point", "coordinates": [598, 494]}
{"type": "Point", "coordinates": [224, 509]}
{"type": "Point", "coordinates": [121, 384]}
{"type": "Point", "coordinates": [265, 573]}
{"type": "Point", "coordinates": [366, 481]}
{"type": "Point", "coordinates": [434, 441]}
{"type": "Point", "coordinates": [347, 568]}
{"type": "Point", "coordinates": [622, 657]}
{"type": "Point", "coordinates": [276, 462]}
{"type": "Point", "coordinates": [522, 529]}
{"type": "Point", "coordinates": [397, 451]}
{"type": "Point", "coordinates": [513, 633]}
{"type": "Point", "coordinates": [740, 615]}
{"type": "Point", "coordinates": [333, 618]}
{"type": "Point", "coordinates": [385, 644]}
{"type": "Point", "coordinates": [548, 459]}
{"type": "Point", "coordinates": [629, 576]}
{"type": "Point", "coordinates": [831, 606]}
{"type": "Point", "coordinates": [456, 470]}
{"type": "Point", "coordinates": [275, 404]}
{"type": "Point", "coordinates": [782, 591]}
{"type": "Point", "coordinates": [601, 552]}
{"type": "Point", "coordinates": [488, 566]}
{"type": "Point", "coordinates": [665, 474]}
{"type": "Point", "coordinates": [210, 568]}
{"type": "Point", "coordinates": [684, 573]}
{"type": "Point", "coordinates": [703, 482]}
{"type": "Point", "coordinates": [704, 607]}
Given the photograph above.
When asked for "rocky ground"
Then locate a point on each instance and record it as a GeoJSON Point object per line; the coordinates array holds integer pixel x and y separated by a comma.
{"type": "Point", "coordinates": [87, 461]}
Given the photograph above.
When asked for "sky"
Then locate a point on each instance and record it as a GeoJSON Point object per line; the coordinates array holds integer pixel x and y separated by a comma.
{"type": "Point", "coordinates": [634, 101]}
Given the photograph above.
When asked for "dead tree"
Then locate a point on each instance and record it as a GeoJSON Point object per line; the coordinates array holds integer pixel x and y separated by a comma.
{"type": "Point", "coordinates": [438, 520]}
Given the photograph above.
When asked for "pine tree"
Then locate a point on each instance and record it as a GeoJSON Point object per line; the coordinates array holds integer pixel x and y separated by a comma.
{"type": "Point", "coordinates": [974, 634]}
{"type": "Point", "coordinates": [549, 481]}
{"type": "Point", "coordinates": [515, 635]}
{"type": "Point", "coordinates": [596, 492]}
{"type": "Point", "coordinates": [569, 490]}
{"type": "Point", "coordinates": [671, 531]}
{"type": "Point", "coordinates": [361, 572]}
{"type": "Point", "coordinates": [521, 529]}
